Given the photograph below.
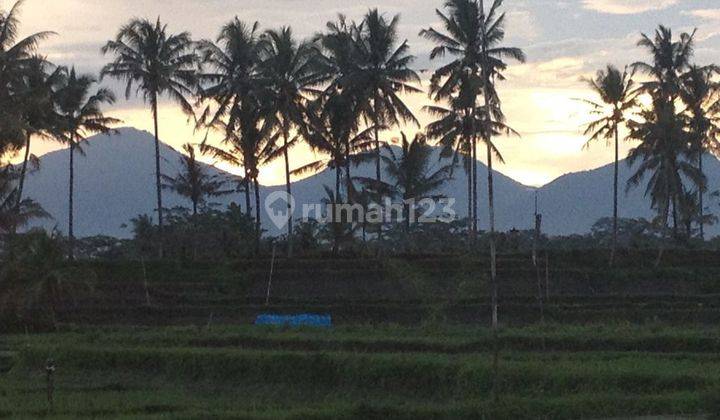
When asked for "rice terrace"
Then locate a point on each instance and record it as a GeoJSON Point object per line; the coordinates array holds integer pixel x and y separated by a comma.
{"type": "Point", "coordinates": [319, 209]}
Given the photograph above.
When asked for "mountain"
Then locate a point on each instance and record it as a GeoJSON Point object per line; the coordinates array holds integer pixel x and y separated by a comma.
{"type": "Point", "coordinates": [573, 202]}
{"type": "Point", "coordinates": [115, 182]}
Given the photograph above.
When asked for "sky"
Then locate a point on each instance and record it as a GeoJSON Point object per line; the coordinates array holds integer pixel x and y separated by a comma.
{"type": "Point", "coordinates": [565, 41]}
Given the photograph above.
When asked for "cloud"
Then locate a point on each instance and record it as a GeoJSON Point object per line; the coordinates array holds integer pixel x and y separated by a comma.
{"type": "Point", "coordinates": [704, 14]}
{"type": "Point", "coordinates": [522, 25]}
{"type": "Point", "coordinates": [627, 7]}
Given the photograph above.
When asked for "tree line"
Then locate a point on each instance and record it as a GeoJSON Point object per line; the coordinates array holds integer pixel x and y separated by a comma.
{"type": "Point", "coordinates": [266, 91]}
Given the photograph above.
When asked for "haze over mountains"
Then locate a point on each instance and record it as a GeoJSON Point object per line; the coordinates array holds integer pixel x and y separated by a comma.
{"type": "Point", "coordinates": [115, 182]}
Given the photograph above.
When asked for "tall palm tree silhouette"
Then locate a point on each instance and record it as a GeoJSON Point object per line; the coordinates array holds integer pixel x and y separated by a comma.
{"type": "Point", "coordinates": [156, 63]}
{"type": "Point", "coordinates": [332, 128]}
{"type": "Point", "coordinates": [662, 133]}
{"type": "Point", "coordinates": [454, 131]}
{"type": "Point", "coordinates": [701, 95]}
{"type": "Point", "coordinates": [250, 148]}
{"type": "Point", "coordinates": [16, 56]}
{"type": "Point", "coordinates": [367, 62]}
{"type": "Point", "coordinates": [664, 143]}
{"type": "Point", "coordinates": [80, 115]}
{"type": "Point", "coordinates": [291, 70]}
{"type": "Point", "coordinates": [473, 36]}
{"type": "Point", "coordinates": [382, 72]}
{"type": "Point", "coordinates": [231, 79]}
{"type": "Point", "coordinates": [618, 96]}
{"type": "Point", "coordinates": [37, 117]}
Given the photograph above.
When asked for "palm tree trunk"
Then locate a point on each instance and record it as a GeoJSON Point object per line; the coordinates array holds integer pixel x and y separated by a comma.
{"type": "Point", "coordinates": [348, 180]}
{"type": "Point", "coordinates": [337, 186]}
{"type": "Point", "coordinates": [675, 218]}
{"type": "Point", "coordinates": [378, 168]}
{"type": "Point", "coordinates": [376, 122]}
{"type": "Point", "coordinates": [71, 234]}
{"type": "Point", "coordinates": [288, 189]}
{"type": "Point", "coordinates": [406, 216]}
{"type": "Point", "coordinates": [145, 280]}
{"type": "Point", "coordinates": [158, 185]}
{"type": "Point", "coordinates": [493, 250]}
{"type": "Point", "coordinates": [615, 197]}
{"type": "Point", "coordinates": [334, 210]}
{"type": "Point", "coordinates": [257, 217]}
{"type": "Point", "coordinates": [665, 229]}
{"type": "Point", "coordinates": [248, 212]}
{"type": "Point", "coordinates": [21, 182]}
{"type": "Point", "coordinates": [700, 198]}
{"type": "Point", "coordinates": [470, 203]}
{"type": "Point", "coordinates": [491, 208]}
{"type": "Point", "coordinates": [475, 189]}
{"type": "Point", "coordinates": [194, 229]}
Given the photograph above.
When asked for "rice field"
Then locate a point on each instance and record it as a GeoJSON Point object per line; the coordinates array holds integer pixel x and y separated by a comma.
{"type": "Point", "coordinates": [361, 372]}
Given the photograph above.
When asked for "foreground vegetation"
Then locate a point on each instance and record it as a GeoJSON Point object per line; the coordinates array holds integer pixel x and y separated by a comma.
{"type": "Point", "coordinates": [363, 372]}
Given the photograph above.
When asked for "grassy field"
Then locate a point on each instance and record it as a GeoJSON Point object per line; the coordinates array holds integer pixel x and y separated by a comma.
{"type": "Point", "coordinates": [407, 291]}
{"type": "Point", "coordinates": [175, 339]}
{"type": "Point", "coordinates": [362, 372]}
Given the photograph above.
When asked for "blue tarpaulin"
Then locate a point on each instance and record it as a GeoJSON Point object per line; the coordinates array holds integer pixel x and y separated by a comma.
{"type": "Point", "coordinates": [294, 320]}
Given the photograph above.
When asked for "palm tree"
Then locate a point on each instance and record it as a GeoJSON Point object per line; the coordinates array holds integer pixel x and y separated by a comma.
{"type": "Point", "coordinates": [412, 174]}
{"type": "Point", "coordinates": [251, 147]}
{"type": "Point", "coordinates": [473, 37]}
{"type": "Point", "coordinates": [195, 183]}
{"type": "Point", "coordinates": [664, 142]}
{"type": "Point", "coordinates": [15, 56]}
{"type": "Point", "coordinates": [332, 130]}
{"type": "Point", "coordinates": [37, 91]}
{"type": "Point", "coordinates": [156, 63]}
{"type": "Point", "coordinates": [701, 96]}
{"type": "Point", "coordinates": [232, 79]}
{"type": "Point", "coordinates": [616, 90]}
{"type": "Point", "coordinates": [12, 215]}
{"type": "Point", "coordinates": [662, 132]}
{"type": "Point", "coordinates": [670, 59]}
{"type": "Point", "coordinates": [383, 71]}
{"type": "Point", "coordinates": [79, 115]}
{"type": "Point", "coordinates": [454, 131]}
{"type": "Point", "coordinates": [457, 83]}
{"type": "Point", "coordinates": [491, 67]}
{"type": "Point", "coordinates": [366, 62]}
{"type": "Point", "coordinates": [193, 180]}
{"type": "Point", "coordinates": [291, 70]}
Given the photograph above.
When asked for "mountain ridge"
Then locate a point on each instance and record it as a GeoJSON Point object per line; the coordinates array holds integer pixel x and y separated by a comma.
{"type": "Point", "coordinates": [115, 182]}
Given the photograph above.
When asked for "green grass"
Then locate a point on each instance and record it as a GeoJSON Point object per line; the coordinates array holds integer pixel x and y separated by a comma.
{"type": "Point", "coordinates": [361, 372]}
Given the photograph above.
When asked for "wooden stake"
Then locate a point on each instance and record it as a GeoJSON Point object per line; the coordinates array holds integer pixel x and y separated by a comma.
{"type": "Point", "coordinates": [272, 268]}
{"type": "Point", "coordinates": [547, 276]}
{"type": "Point", "coordinates": [50, 382]}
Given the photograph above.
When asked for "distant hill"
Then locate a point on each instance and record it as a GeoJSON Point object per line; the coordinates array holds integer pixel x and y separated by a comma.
{"type": "Point", "coordinates": [115, 182]}
{"type": "Point", "coordinates": [573, 202]}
